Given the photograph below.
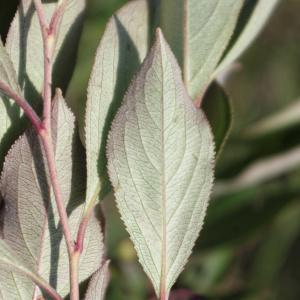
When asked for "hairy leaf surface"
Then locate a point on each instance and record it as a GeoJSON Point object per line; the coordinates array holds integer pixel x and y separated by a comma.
{"type": "Point", "coordinates": [9, 112]}
{"type": "Point", "coordinates": [255, 24]}
{"type": "Point", "coordinates": [198, 32]}
{"type": "Point", "coordinates": [31, 222]}
{"type": "Point", "coordinates": [98, 284]}
{"type": "Point", "coordinates": [160, 161]}
{"type": "Point", "coordinates": [7, 71]}
{"type": "Point", "coordinates": [10, 262]}
{"type": "Point", "coordinates": [25, 47]}
{"type": "Point", "coordinates": [123, 47]}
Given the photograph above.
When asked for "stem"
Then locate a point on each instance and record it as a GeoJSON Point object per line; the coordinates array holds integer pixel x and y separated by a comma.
{"type": "Point", "coordinates": [57, 16]}
{"type": "Point", "coordinates": [74, 262]}
{"type": "Point", "coordinates": [48, 49]}
{"type": "Point", "coordinates": [163, 296]}
{"type": "Point", "coordinates": [21, 102]}
{"type": "Point", "coordinates": [49, 35]}
{"type": "Point", "coordinates": [49, 153]}
{"type": "Point", "coordinates": [82, 229]}
{"type": "Point", "coordinates": [85, 221]}
{"type": "Point", "coordinates": [44, 286]}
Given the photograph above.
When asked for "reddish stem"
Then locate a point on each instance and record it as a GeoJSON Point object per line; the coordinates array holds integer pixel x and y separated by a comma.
{"type": "Point", "coordinates": [82, 229]}
{"type": "Point", "coordinates": [21, 102]}
{"type": "Point", "coordinates": [49, 153]}
{"type": "Point", "coordinates": [49, 34]}
{"type": "Point", "coordinates": [57, 16]}
{"type": "Point", "coordinates": [45, 286]}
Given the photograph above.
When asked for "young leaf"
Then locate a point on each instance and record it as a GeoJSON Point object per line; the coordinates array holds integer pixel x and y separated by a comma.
{"type": "Point", "coordinates": [123, 47]}
{"type": "Point", "coordinates": [160, 160]}
{"type": "Point", "coordinates": [31, 223]}
{"type": "Point", "coordinates": [216, 106]}
{"type": "Point", "coordinates": [98, 284]}
{"type": "Point", "coordinates": [255, 24]}
{"type": "Point", "coordinates": [25, 47]}
{"type": "Point", "coordinates": [9, 112]}
{"type": "Point", "coordinates": [198, 32]}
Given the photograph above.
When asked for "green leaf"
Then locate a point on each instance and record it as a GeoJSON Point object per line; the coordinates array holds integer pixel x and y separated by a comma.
{"type": "Point", "coordinates": [160, 160]}
{"type": "Point", "coordinates": [9, 111]}
{"type": "Point", "coordinates": [198, 32]}
{"type": "Point", "coordinates": [123, 47]}
{"type": "Point", "coordinates": [279, 121]}
{"type": "Point", "coordinates": [98, 284]}
{"type": "Point", "coordinates": [260, 171]}
{"type": "Point", "coordinates": [216, 106]}
{"type": "Point", "coordinates": [272, 255]}
{"type": "Point", "coordinates": [31, 222]}
{"type": "Point", "coordinates": [255, 24]}
{"type": "Point", "coordinates": [25, 47]}
{"type": "Point", "coordinates": [234, 218]}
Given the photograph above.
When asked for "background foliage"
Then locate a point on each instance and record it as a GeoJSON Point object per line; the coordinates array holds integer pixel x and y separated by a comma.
{"type": "Point", "coordinates": [249, 248]}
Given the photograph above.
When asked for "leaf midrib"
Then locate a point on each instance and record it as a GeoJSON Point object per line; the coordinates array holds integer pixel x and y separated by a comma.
{"type": "Point", "coordinates": [164, 194]}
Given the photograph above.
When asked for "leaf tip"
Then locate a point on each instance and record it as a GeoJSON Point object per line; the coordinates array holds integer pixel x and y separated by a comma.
{"type": "Point", "coordinates": [58, 93]}
{"type": "Point", "coordinates": [158, 33]}
{"type": "Point", "coordinates": [159, 36]}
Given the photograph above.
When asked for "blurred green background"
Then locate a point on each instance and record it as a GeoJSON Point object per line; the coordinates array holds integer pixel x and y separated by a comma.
{"type": "Point", "coordinates": [249, 248]}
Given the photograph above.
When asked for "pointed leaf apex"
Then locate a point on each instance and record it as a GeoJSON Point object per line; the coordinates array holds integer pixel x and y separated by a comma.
{"type": "Point", "coordinates": [58, 93]}
{"type": "Point", "coordinates": [159, 37]}
{"type": "Point", "coordinates": [159, 33]}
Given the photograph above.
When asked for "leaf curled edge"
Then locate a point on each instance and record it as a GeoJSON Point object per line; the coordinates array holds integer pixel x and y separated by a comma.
{"type": "Point", "coordinates": [160, 161]}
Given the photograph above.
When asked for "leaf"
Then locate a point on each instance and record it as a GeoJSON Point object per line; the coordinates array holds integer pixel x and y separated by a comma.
{"type": "Point", "coordinates": [279, 121]}
{"type": "Point", "coordinates": [10, 262]}
{"type": "Point", "coordinates": [255, 24]}
{"type": "Point", "coordinates": [98, 284]}
{"type": "Point", "coordinates": [7, 71]}
{"type": "Point", "coordinates": [216, 106]}
{"type": "Point", "coordinates": [198, 32]}
{"type": "Point", "coordinates": [123, 47]}
{"type": "Point", "coordinates": [9, 112]}
{"type": "Point", "coordinates": [31, 222]}
{"type": "Point", "coordinates": [160, 160]}
{"type": "Point", "coordinates": [25, 47]}
{"type": "Point", "coordinates": [261, 171]}
{"type": "Point", "coordinates": [235, 217]}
